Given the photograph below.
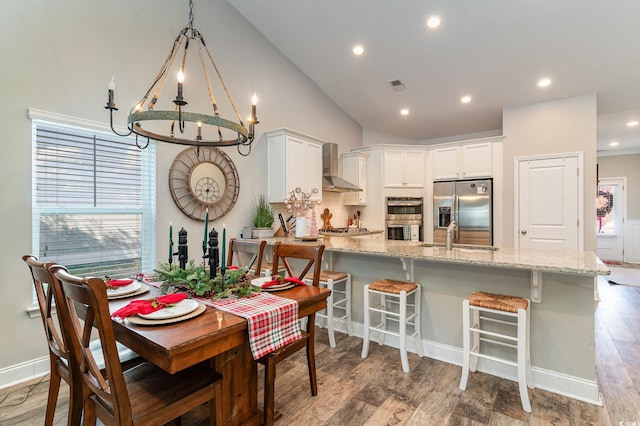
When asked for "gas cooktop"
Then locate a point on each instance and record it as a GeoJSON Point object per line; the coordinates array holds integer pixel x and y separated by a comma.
{"type": "Point", "coordinates": [341, 230]}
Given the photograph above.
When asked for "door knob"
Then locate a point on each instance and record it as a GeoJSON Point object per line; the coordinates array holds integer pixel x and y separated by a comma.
{"type": "Point", "coordinates": [523, 232]}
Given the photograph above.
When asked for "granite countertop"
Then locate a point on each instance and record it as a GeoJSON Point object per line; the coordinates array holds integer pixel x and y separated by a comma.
{"type": "Point", "coordinates": [570, 262]}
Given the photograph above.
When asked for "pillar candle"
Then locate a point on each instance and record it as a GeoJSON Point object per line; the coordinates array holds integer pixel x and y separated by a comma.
{"type": "Point", "coordinates": [170, 242]}
{"type": "Point", "coordinates": [223, 261]}
{"type": "Point", "coordinates": [206, 228]}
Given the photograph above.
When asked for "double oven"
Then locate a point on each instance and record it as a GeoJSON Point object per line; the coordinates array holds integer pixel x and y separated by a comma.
{"type": "Point", "coordinates": [404, 218]}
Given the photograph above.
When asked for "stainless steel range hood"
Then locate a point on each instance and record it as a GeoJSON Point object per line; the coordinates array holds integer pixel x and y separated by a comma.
{"type": "Point", "coordinates": [330, 179]}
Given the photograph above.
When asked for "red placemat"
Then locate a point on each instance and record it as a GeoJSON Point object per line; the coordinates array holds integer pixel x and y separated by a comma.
{"type": "Point", "coordinates": [273, 320]}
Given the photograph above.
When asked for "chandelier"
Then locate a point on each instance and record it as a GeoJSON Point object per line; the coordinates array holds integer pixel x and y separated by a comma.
{"type": "Point", "coordinates": [168, 125]}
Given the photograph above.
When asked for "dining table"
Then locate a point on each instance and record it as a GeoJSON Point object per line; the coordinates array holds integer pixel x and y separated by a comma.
{"type": "Point", "coordinates": [216, 337]}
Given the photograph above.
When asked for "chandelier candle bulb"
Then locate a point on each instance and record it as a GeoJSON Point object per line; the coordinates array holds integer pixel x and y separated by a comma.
{"type": "Point", "coordinates": [180, 81]}
{"type": "Point", "coordinates": [112, 88]}
{"type": "Point", "coordinates": [199, 137]}
{"type": "Point", "coordinates": [254, 102]}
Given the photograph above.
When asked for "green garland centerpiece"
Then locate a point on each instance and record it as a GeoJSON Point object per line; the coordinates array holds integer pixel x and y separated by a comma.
{"type": "Point", "coordinates": [196, 281]}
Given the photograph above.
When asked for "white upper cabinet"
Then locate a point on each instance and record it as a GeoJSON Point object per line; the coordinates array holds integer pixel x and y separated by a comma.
{"type": "Point", "coordinates": [294, 160]}
{"type": "Point", "coordinates": [404, 168]}
{"type": "Point", "coordinates": [462, 162]}
{"type": "Point", "coordinates": [354, 170]}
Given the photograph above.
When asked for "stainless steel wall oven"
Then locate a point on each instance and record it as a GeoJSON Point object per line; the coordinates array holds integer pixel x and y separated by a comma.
{"type": "Point", "coordinates": [404, 218]}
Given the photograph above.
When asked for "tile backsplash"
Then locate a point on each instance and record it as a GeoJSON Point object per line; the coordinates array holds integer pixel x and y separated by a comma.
{"type": "Point", "coordinates": [331, 201]}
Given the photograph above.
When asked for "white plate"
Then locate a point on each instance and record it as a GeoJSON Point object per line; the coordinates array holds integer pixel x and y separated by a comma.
{"type": "Point", "coordinates": [143, 289]}
{"type": "Point", "coordinates": [259, 282]}
{"type": "Point", "coordinates": [141, 321]}
{"type": "Point", "coordinates": [179, 309]}
{"type": "Point", "coordinates": [125, 289]}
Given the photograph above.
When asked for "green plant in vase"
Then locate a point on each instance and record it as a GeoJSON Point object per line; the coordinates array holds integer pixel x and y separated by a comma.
{"type": "Point", "coordinates": [262, 216]}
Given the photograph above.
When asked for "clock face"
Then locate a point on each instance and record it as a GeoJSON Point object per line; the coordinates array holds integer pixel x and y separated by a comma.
{"type": "Point", "coordinates": [207, 190]}
{"type": "Point", "coordinates": [204, 178]}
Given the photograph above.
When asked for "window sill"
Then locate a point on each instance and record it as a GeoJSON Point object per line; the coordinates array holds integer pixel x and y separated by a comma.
{"type": "Point", "coordinates": [34, 311]}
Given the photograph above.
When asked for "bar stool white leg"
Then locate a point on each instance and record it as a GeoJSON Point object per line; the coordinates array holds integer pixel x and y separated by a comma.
{"type": "Point", "coordinates": [367, 323]}
{"type": "Point", "coordinates": [522, 360]}
{"type": "Point", "coordinates": [403, 331]}
{"type": "Point", "coordinates": [529, 374]}
{"type": "Point", "coordinates": [347, 289]}
{"type": "Point", "coordinates": [475, 338]}
{"type": "Point", "coordinates": [383, 319]}
{"type": "Point", "coordinates": [466, 343]}
{"type": "Point", "coordinates": [417, 299]}
{"type": "Point", "coordinates": [329, 309]}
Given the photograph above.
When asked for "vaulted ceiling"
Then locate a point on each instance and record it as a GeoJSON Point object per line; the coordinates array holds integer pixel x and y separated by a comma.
{"type": "Point", "coordinates": [494, 51]}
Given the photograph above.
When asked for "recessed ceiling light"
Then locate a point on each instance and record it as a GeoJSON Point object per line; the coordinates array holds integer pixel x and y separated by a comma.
{"type": "Point", "coordinates": [613, 143]}
{"type": "Point", "coordinates": [465, 99]}
{"type": "Point", "coordinates": [632, 123]}
{"type": "Point", "coordinates": [404, 111]}
{"type": "Point", "coordinates": [358, 50]}
{"type": "Point", "coordinates": [433, 21]}
{"type": "Point", "coordinates": [544, 82]}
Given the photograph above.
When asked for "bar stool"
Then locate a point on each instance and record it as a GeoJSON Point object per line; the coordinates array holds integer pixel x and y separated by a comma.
{"type": "Point", "coordinates": [502, 310]}
{"type": "Point", "coordinates": [393, 307]}
{"type": "Point", "coordinates": [340, 285]}
{"type": "Point", "coordinates": [267, 270]}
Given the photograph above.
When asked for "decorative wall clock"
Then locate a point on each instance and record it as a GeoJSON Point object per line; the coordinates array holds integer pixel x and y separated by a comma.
{"type": "Point", "coordinates": [202, 178]}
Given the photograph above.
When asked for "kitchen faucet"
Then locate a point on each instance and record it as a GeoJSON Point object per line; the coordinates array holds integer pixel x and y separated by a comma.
{"type": "Point", "coordinates": [450, 235]}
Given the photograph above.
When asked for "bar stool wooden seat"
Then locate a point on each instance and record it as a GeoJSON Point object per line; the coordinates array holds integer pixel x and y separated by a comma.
{"type": "Point", "coordinates": [481, 310]}
{"type": "Point", "coordinates": [267, 270]}
{"type": "Point", "coordinates": [340, 285]}
{"type": "Point", "coordinates": [394, 306]}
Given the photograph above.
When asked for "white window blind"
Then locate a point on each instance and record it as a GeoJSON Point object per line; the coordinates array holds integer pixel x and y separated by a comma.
{"type": "Point", "coordinates": [93, 201]}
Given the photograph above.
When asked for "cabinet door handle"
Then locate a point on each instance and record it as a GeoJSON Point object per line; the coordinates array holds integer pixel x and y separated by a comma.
{"type": "Point", "coordinates": [523, 232]}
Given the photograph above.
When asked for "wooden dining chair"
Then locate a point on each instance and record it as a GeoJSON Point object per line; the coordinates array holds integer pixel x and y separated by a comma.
{"type": "Point", "coordinates": [61, 359]}
{"type": "Point", "coordinates": [292, 257]}
{"type": "Point", "coordinates": [246, 253]}
{"type": "Point", "coordinates": [143, 395]}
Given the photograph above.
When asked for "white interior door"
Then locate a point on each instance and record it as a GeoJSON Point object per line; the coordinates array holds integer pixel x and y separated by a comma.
{"type": "Point", "coordinates": [611, 204]}
{"type": "Point", "coordinates": [548, 199]}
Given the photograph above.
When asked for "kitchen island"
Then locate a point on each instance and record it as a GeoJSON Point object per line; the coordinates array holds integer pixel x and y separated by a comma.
{"type": "Point", "coordinates": [560, 284]}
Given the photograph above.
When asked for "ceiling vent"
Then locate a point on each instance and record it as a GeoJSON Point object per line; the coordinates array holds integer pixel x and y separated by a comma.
{"type": "Point", "coordinates": [397, 85]}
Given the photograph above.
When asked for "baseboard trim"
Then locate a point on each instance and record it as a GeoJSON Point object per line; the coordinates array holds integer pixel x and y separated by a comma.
{"type": "Point", "coordinates": [24, 371]}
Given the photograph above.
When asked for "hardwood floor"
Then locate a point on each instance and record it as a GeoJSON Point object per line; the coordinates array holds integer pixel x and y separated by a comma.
{"type": "Point", "coordinates": [375, 391]}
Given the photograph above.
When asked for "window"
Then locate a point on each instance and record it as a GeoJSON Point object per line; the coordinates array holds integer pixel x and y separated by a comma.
{"type": "Point", "coordinates": [93, 198]}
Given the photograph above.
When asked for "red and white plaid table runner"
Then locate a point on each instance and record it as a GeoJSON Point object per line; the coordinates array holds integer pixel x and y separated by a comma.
{"type": "Point", "coordinates": [272, 320]}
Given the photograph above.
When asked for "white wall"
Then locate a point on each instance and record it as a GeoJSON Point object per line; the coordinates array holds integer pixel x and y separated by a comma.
{"type": "Point", "coordinates": [58, 56]}
{"type": "Point", "coordinates": [371, 137]}
{"type": "Point", "coordinates": [624, 166]}
{"type": "Point", "coordinates": [566, 125]}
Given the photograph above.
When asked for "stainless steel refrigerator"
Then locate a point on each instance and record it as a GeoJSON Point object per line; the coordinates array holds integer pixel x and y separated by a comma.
{"type": "Point", "coordinates": [470, 204]}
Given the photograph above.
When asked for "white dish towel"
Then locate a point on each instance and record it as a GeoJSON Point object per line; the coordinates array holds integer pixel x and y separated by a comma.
{"type": "Point", "coordinates": [415, 233]}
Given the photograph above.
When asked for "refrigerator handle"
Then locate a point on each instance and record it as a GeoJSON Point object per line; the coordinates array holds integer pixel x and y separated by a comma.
{"type": "Point", "coordinates": [456, 203]}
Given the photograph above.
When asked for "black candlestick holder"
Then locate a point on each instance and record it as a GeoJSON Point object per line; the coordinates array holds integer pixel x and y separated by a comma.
{"type": "Point", "coordinates": [214, 253]}
{"type": "Point", "coordinates": [183, 253]}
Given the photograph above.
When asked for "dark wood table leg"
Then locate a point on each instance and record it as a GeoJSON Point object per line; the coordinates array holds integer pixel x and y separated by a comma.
{"type": "Point", "coordinates": [239, 386]}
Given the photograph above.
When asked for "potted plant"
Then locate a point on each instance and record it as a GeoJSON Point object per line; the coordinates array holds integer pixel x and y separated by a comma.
{"type": "Point", "coordinates": [262, 215]}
